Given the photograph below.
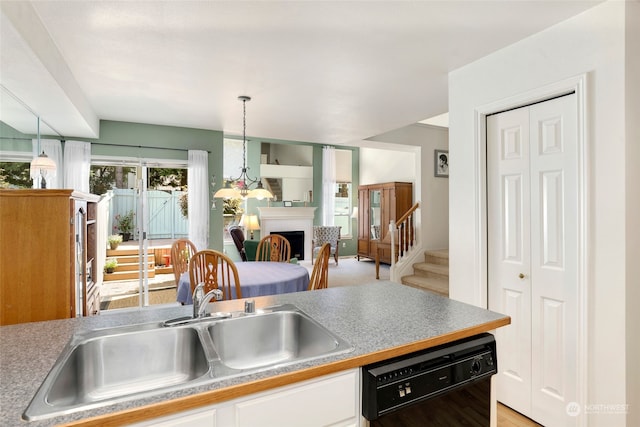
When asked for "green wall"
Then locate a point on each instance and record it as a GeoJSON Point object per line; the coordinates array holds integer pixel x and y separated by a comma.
{"type": "Point", "coordinates": [147, 141]}
{"type": "Point", "coordinates": [160, 142]}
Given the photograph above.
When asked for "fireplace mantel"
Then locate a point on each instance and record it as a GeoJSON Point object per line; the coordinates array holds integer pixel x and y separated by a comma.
{"type": "Point", "coordinates": [289, 219]}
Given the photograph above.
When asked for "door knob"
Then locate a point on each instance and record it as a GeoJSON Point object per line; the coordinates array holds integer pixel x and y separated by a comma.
{"type": "Point", "coordinates": [521, 275]}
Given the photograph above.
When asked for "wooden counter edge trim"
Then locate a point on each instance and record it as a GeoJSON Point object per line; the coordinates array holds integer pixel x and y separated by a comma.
{"type": "Point", "coordinates": [206, 398]}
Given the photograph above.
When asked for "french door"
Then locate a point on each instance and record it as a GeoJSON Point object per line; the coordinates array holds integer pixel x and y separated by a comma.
{"type": "Point", "coordinates": [532, 202]}
{"type": "Point", "coordinates": [143, 262]}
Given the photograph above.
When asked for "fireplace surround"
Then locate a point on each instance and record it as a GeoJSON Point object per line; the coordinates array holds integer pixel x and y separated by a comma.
{"type": "Point", "coordinates": [288, 219]}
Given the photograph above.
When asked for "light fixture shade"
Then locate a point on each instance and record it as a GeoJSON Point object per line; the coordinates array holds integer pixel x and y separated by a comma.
{"type": "Point", "coordinates": [42, 163]}
{"type": "Point", "coordinates": [260, 193]}
{"type": "Point", "coordinates": [228, 192]}
{"type": "Point", "coordinates": [42, 167]}
{"type": "Point", "coordinates": [354, 214]}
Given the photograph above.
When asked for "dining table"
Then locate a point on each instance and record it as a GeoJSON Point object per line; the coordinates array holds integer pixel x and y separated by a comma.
{"type": "Point", "coordinates": [258, 278]}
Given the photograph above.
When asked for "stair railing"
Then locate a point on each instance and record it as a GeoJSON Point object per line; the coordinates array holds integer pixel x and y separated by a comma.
{"type": "Point", "coordinates": [403, 238]}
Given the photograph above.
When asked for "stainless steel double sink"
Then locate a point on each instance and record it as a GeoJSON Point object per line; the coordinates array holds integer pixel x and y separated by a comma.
{"type": "Point", "coordinates": [106, 366]}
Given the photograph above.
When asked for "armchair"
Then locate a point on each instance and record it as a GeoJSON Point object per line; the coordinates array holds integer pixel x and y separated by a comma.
{"type": "Point", "coordinates": [326, 234]}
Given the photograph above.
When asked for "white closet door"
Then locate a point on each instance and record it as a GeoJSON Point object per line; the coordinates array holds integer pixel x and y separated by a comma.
{"type": "Point", "coordinates": [509, 256]}
{"type": "Point", "coordinates": [532, 183]}
{"type": "Point", "coordinates": [554, 252]}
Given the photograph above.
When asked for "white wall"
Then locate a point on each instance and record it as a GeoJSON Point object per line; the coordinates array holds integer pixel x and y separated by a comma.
{"type": "Point", "coordinates": [592, 43]}
{"type": "Point", "coordinates": [633, 209]}
{"type": "Point", "coordinates": [431, 192]}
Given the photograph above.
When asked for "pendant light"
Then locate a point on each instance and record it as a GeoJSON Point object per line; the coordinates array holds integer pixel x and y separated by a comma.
{"type": "Point", "coordinates": [42, 166]}
{"type": "Point", "coordinates": [230, 189]}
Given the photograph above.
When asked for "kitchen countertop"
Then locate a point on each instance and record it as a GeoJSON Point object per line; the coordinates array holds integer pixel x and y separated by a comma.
{"type": "Point", "coordinates": [380, 320]}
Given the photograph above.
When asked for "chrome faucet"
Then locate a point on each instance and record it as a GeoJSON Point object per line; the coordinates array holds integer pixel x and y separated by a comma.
{"type": "Point", "coordinates": [200, 300]}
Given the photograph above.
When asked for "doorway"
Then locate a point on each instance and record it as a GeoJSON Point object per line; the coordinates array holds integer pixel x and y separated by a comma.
{"type": "Point", "coordinates": [147, 212]}
{"type": "Point", "coordinates": [533, 255]}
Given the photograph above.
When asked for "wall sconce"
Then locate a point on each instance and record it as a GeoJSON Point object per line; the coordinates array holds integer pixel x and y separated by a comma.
{"type": "Point", "coordinates": [250, 223]}
{"type": "Point", "coordinates": [354, 214]}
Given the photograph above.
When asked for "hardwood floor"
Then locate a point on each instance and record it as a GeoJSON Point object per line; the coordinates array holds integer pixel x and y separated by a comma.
{"type": "Point", "coordinates": [507, 417]}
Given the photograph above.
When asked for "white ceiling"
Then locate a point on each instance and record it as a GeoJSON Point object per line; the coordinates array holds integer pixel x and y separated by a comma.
{"type": "Point", "coordinates": [318, 71]}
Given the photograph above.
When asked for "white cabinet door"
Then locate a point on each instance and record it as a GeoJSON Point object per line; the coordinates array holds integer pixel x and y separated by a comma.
{"type": "Point", "coordinates": [198, 418]}
{"type": "Point", "coordinates": [331, 401]}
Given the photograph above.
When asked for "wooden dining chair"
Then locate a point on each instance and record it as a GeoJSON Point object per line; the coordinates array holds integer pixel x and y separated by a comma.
{"type": "Point", "coordinates": [320, 272]}
{"type": "Point", "coordinates": [273, 247]}
{"type": "Point", "coordinates": [216, 271]}
{"type": "Point", "coordinates": [181, 252]}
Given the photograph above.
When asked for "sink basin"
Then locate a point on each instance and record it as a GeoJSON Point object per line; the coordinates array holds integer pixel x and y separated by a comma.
{"type": "Point", "coordinates": [102, 367]}
{"type": "Point", "coordinates": [274, 338]}
{"type": "Point", "coordinates": [119, 362]}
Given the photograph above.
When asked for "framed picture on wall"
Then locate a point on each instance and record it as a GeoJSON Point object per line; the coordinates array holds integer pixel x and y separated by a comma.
{"type": "Point", "coordinates": [287, 203]}
{"type": "Point", "coordinates": [441, 163]}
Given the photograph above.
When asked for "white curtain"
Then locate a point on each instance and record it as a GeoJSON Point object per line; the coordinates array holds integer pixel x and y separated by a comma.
{"type": "Point", "coordinates": [198, 198]}
{"type": "Point", "coordinates": [77, 162]}
{"type": "Point", "coordinates": [328, 185]}
{"type": "Point", "coordinates": [53, 149]}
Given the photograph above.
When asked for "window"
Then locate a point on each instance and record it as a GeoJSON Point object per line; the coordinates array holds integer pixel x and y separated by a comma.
{"type": "Point", "coordinates": [342, 208]}
{"type": "Point", "coordinates": [15, 175]}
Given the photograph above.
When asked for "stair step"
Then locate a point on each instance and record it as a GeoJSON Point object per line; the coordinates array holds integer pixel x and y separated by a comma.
{"type": "Point", "coordinates": [133, 259]}
{"type": "Point", "coordinates": [440, 256]}
{"type": "Point", "coordinates": [125, 275]}
{"type": "Point", "coordinates": [123, 252]}
{"type": "Point", "coordinates": [133, 266]}
{"type": "Point", "coordinates": [427, 269]}
{"type": "Point", "coordinates": [164, 270]}
{"type": "Point", "coordinates": [437, 285]}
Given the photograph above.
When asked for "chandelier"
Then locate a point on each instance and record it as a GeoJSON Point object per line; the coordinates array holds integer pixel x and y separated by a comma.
{"type": "Point", "coordinates": [230, 189]}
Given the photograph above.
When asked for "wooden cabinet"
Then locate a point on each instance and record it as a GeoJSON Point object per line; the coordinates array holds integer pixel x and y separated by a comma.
{"type": "Point", "coordinates": [47, 255]}
{"type": "Point", "coordinates": [378, 204]}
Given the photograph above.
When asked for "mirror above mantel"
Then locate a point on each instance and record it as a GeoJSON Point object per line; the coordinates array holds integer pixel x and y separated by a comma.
{"type": "Point", "coordinates": [288, 170]}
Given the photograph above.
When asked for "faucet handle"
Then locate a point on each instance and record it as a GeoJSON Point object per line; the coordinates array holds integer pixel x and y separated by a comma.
{"type": "Point", "coordinates": [217, 294]}
{"type": "Point", "coordinates": [250, 306]}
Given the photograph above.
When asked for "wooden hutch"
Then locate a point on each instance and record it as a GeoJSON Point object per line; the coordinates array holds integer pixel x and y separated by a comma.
{"type": "Point", "coordinates": [47, 255]}
{"type": "Point", "coordinates": [378, 204]}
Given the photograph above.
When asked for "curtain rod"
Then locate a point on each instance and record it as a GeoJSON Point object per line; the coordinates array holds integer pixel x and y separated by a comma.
{"type": "Point", "coordinates": [143, 146]}
{"type": "Point", "coordinates": [109, 144]}
{"type": "Point", "coordinates": [16, 139]}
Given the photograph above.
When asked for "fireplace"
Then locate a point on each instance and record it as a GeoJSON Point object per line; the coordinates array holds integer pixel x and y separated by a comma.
{"type": "Point", "coordinates": [281, 219]}
{"type": "Point", "coordinates": [296, 240]}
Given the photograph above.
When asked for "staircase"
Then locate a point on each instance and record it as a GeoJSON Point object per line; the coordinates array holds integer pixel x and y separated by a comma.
{"type": "Point", "coordinates": [275, 187]}
{"type": "Point", "coordinates": [432, 274]}
{"type": "Point", "coordinates": [128, 260]}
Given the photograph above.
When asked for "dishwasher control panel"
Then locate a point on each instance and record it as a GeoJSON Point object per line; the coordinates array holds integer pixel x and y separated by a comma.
{"type": "Point", "coordinates": [393, 384]}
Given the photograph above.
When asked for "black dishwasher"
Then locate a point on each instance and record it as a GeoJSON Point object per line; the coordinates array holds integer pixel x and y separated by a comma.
{"type": "Point", "coordinates": [448, 385]}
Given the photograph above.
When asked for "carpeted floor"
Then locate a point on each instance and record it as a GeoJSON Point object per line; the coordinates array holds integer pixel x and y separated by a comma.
{"type": "Point", "coordinates": [348, 272]}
